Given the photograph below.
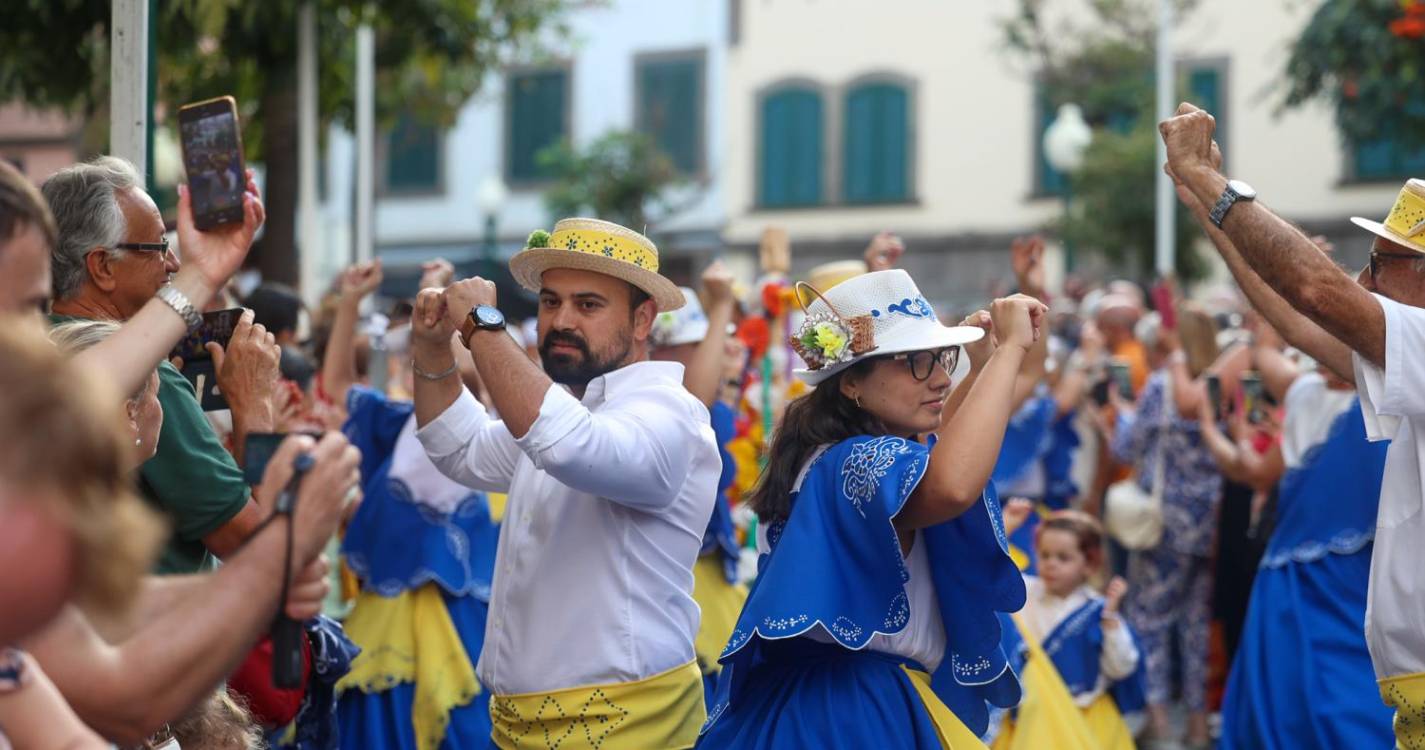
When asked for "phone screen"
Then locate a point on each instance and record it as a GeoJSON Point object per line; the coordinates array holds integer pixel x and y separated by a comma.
{"type": "Point", "coordinates": [1123, 378]}
{"type": "Point", "coordinates": [1214, 396]}
{"type": "Point", "coordinates": [258, 450]}
{"type": "Point", "coordinates": [217, 328]}
{"type": "Point", "coordinates": [1252, 397]}
{"type": "Point", "coordinates": [212, 157]}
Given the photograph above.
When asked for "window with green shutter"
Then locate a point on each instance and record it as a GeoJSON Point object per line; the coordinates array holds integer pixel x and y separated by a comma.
{"type": "Point", "coordinates": [537, 117]}
{"type": "Point", "coordinates": [412, 163]}
{"type": "Point", "coordinates": [876, 144]}
{"type": "Point", "coordinates": [1384, 158]}
{"type": "Point", "coordinates": [790, 153]}
{"type": "Point", "coordinates": [669, 92]}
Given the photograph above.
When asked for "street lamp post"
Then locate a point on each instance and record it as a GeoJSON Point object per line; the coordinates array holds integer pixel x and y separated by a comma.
{"type": "Point", "coordinates": [1065, 141]}
{"type": "Point", "coordinates": [489, 199]}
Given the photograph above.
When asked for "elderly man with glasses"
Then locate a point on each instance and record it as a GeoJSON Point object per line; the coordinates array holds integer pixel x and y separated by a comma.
{"type": "Point", "coordinates": [111, 259]}
{"type": "Point", "coordinates": [1370, 330]}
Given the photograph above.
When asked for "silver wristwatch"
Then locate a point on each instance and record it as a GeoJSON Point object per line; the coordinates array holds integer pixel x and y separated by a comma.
{"type": "Point", "coordinates": [180, 304]}
{"type": "Point", "coordinates": [1236, 190]}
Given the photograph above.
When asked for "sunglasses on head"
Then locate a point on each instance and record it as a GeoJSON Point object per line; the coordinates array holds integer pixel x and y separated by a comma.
{"type": "Point", "coordinates": [922, 363]}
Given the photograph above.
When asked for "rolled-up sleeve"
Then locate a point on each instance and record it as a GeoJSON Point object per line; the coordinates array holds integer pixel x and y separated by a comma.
{"type": "Point", "coordinates": [470, 447]}
{"type": "Point", "coordinates": [636, 450]}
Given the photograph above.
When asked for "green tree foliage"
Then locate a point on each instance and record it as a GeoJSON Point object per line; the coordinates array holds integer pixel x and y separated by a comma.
{"type": "Point", "coordinates": [431, 57]}
{"type": "Point", "coordinates": [1349, 56]}
{"type": "Point", "coordinates": [621, 177]}
{"type": "Point", "coordinates": [1106, 66]}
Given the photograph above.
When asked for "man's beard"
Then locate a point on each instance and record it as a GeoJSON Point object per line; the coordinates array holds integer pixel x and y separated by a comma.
{"type": "Point", "coordinates": [578, 371]}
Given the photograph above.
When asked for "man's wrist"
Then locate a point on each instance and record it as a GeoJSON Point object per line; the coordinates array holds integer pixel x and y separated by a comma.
{"type": "Point", "coordinates": [193, 286]}
{"type": "Point", "coordinates": [432, 357]}
{"type": "Point", "coordinates": [1206, 183]}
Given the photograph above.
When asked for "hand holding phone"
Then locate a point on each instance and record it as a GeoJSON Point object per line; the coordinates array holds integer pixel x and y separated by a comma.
{"type": "Point", "coordinates": [1252, 395]}
{"type": "Point", "coordinates": [1123, 378]}
{"type": "Point", "coordinates": [212, 157]}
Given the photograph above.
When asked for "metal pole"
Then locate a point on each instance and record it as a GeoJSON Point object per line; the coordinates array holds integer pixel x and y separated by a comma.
{"type": "Point", "coordinates": [308, 238]}
{"type": "Point", "coordinates": [1068, 217]}
{"type": "Point", "coordinates": [365, 138]}
{"type": "Point", "coordinates": [1166, 200]}
{"type": "Point", "coordinates": [128, 82]}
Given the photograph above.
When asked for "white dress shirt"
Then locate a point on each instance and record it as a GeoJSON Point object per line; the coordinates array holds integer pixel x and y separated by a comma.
{"type": "Point", "coordinates": [1044, 611]}
{"type": "Point", "coordinates": [1393, 404]}
{"type": "Point", "coordinates": [608, 501]}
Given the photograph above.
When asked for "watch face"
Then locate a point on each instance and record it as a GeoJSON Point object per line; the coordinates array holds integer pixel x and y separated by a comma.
{"type": "Point", "coordinates": [1242, 189]}
{"type": "Point", "coordinates": [489, 317]}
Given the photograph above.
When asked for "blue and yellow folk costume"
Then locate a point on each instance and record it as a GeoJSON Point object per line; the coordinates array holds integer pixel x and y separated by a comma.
{"type": "Point", "coordinates": [1303, 643]}
{"type": "Point", "coordinates": [1067, 685]}
{"type": "Point", "coordinates": [715, 588]}
{"type": "Point", "coordinates": [798, 672]}
{"type": "Point", "coordinates": [424, 550]}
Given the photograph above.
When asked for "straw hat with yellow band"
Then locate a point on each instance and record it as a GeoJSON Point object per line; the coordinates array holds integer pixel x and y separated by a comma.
{"type": "Point", "coordinates": [598, 246]}
{"type": "Point", "coordinates": [1405, 225]}
{"type": "Point", "coordinates": [828, 275]}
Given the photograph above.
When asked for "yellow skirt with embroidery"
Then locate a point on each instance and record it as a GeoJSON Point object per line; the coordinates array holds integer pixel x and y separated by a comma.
{"type": "Point", "coordinates": [662, 712]}
{"type": "Point", "coordinates": [410, 638]}
{"type": "Point", "coordinates": [1406, 694]}
{"type": "Point", "coordinates": [721, 603]}
{"type": "Point", "coordinates": [1048, 716]}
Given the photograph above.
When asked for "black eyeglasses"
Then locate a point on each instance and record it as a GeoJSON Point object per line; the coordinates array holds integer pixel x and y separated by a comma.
{"type": "Point", "coordinates": [1376, 258]}
{"type": "Point", "coordinates": [145, 247]}
{"type": "Point", "coordinates": [922, 363]}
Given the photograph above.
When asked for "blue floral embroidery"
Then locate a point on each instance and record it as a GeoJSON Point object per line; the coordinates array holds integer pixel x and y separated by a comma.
{"type": "Point", "coordinates": [899, 614]}
{"type": "Point", "coordinates": [867, 465]}
{"type": "Point", "coordinates": [913, 308]}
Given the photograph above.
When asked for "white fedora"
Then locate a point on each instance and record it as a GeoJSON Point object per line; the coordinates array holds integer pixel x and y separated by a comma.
{"type": "Point", "coordinates": [874, 314]}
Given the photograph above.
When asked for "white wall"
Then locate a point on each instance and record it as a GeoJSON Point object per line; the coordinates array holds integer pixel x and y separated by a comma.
{"type": "Point", "coordinates": [602, 48]}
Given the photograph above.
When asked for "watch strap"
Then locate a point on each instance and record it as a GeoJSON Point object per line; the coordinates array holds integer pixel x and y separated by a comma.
{"type": "Point", "coordinates": [1224, 204]}
{"type": "Point", "coordinates": [181, 305]}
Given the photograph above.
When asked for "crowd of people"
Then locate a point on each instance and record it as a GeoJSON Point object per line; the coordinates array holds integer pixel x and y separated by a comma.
{"type": "Point", "coordinates": [791, 514]}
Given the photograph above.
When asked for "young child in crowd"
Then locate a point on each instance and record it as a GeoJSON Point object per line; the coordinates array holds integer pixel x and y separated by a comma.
{"type": "Point", "coordinates": [1066, 622]}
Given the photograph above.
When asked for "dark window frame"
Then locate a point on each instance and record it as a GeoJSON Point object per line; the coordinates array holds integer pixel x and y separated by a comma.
{"type": "Point", "coordinates": [911, 88]}
{"type": "Point", "coordinates": [700, 56]}
{"type": "Point", "coordinates": [507, 118]}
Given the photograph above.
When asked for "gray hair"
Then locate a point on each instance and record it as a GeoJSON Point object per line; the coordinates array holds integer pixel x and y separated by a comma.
{"type": "Point", "coordinates": [82, 198]}
{"type": "Point", "coordinates": [74, 336]}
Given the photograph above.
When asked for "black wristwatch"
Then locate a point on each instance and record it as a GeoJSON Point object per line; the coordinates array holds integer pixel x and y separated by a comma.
{"type": "Point", "coordinates": [481, 318]}
{"type": "Point", "coordinates": [1236, 190]}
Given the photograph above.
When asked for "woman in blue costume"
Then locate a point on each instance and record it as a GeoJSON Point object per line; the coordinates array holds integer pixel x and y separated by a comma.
{"type": "Point", "coordinates": [423, 548]}
{"type": "Point", "coordinates": [873, 620]}
{"type": "Point", "coordinates": [1302, 677]}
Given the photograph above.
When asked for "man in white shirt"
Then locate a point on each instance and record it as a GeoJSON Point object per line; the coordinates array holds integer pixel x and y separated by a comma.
{"type": "Point", "coordinates": [1370, 331]}
{"type": "Point", "coordinates": [589, 642]}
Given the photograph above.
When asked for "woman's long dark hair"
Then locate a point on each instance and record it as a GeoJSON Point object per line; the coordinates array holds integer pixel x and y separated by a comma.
{"type": "Point", "coordinates": [822, 417]}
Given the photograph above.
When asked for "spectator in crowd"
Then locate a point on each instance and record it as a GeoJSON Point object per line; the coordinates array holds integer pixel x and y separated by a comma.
{"type": "Point", "coordinates": [111, 259]}
{"type": "Point", "coordinates": [1170, 584]}
{"type": "Point", "coordinates": [278, 308]}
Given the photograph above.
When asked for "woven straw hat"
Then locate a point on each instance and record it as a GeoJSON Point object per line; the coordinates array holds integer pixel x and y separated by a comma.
{"type": "Point", "coordinates": [602, 247]}
{"type": "Point", "coordinates": [878, 313]}
{"type": "Point", "coordinates": [1406, 223]}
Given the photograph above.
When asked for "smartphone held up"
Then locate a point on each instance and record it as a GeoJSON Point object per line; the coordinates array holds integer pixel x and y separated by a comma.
{"type": "Point", "coordinates": [212, 158]}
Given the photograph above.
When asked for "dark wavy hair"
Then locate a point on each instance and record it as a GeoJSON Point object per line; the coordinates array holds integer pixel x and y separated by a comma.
{"type": "Point", "coordinates": [823, 417]}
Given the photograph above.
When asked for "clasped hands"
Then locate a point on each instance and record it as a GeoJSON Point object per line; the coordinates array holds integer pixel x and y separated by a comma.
{"type": "Point", "coordinates": [439, 313]}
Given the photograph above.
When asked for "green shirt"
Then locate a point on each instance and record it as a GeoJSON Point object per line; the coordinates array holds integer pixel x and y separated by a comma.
{"type": "Point", "coordinates": [192, 479]}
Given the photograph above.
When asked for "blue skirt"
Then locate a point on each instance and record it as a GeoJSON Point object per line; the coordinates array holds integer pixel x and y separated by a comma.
{"type": "Point", "coordinates": [814, 695]}
{"type": "Point", "coordinates": [1302, 678]}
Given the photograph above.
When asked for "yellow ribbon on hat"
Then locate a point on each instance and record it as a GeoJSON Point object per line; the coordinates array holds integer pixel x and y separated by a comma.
{"type": "Point", "coordinates": [1407, 218]}
{"type": "Point", "coordinates": [606, 244]}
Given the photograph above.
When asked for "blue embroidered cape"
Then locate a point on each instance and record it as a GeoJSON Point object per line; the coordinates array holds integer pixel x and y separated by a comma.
{"type": "Point", "coordinates": [836, 562]}
{"type": "Point", "coordinates": [1075, 646]}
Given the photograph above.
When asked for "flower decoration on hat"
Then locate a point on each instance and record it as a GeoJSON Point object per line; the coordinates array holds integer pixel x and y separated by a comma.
{"type": "Point", "coordinates": [826, 338]}
{"type": "Point", "coordinates": [538, 238]}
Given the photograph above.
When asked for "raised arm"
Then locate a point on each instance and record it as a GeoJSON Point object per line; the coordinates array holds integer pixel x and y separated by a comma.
{"type": "Point", "coordinates": [703, 377]}
{"type": "Point", "coordinates": [131, 689]}
{"type": "Point", "coordinates": [969, 438]}
{"type": "Point", "coordinates": [1285, 258]}
{"type": "Point", "coordinates": [339, 363]}
{"type": "Point", "coordinates": [209, 259]}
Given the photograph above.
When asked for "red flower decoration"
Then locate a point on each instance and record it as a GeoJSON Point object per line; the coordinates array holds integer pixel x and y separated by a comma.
{"type": "Point", "coordinates": [756, 335]}
{"type": "Point", "coordinates": [1411, 26]}
{"type": "Point", "coordinates": [772, 298]}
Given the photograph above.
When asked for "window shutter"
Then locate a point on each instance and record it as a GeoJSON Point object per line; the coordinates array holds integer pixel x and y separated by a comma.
{"type": "Point", "coordinates": [791, 148]}
{"type": "Point", "coordinates": [875, 147]}
{"type": "Point", "coordinates": [537, 119]}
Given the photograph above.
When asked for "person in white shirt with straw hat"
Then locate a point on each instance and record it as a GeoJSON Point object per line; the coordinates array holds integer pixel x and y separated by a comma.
{"type": "Point", "coordinates": [1369, 330]}
{"type": "Point", "coordinates": [611, 482]}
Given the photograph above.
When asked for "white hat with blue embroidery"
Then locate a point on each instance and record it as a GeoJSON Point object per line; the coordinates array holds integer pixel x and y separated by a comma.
{"type": "Point", "coordinates": [870, 315]}
{"type": "Point", "coordinates": [685, 325]}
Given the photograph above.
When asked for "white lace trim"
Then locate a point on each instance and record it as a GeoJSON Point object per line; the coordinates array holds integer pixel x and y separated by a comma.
{"type": "Point", "coordinates": [1346, 542]}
